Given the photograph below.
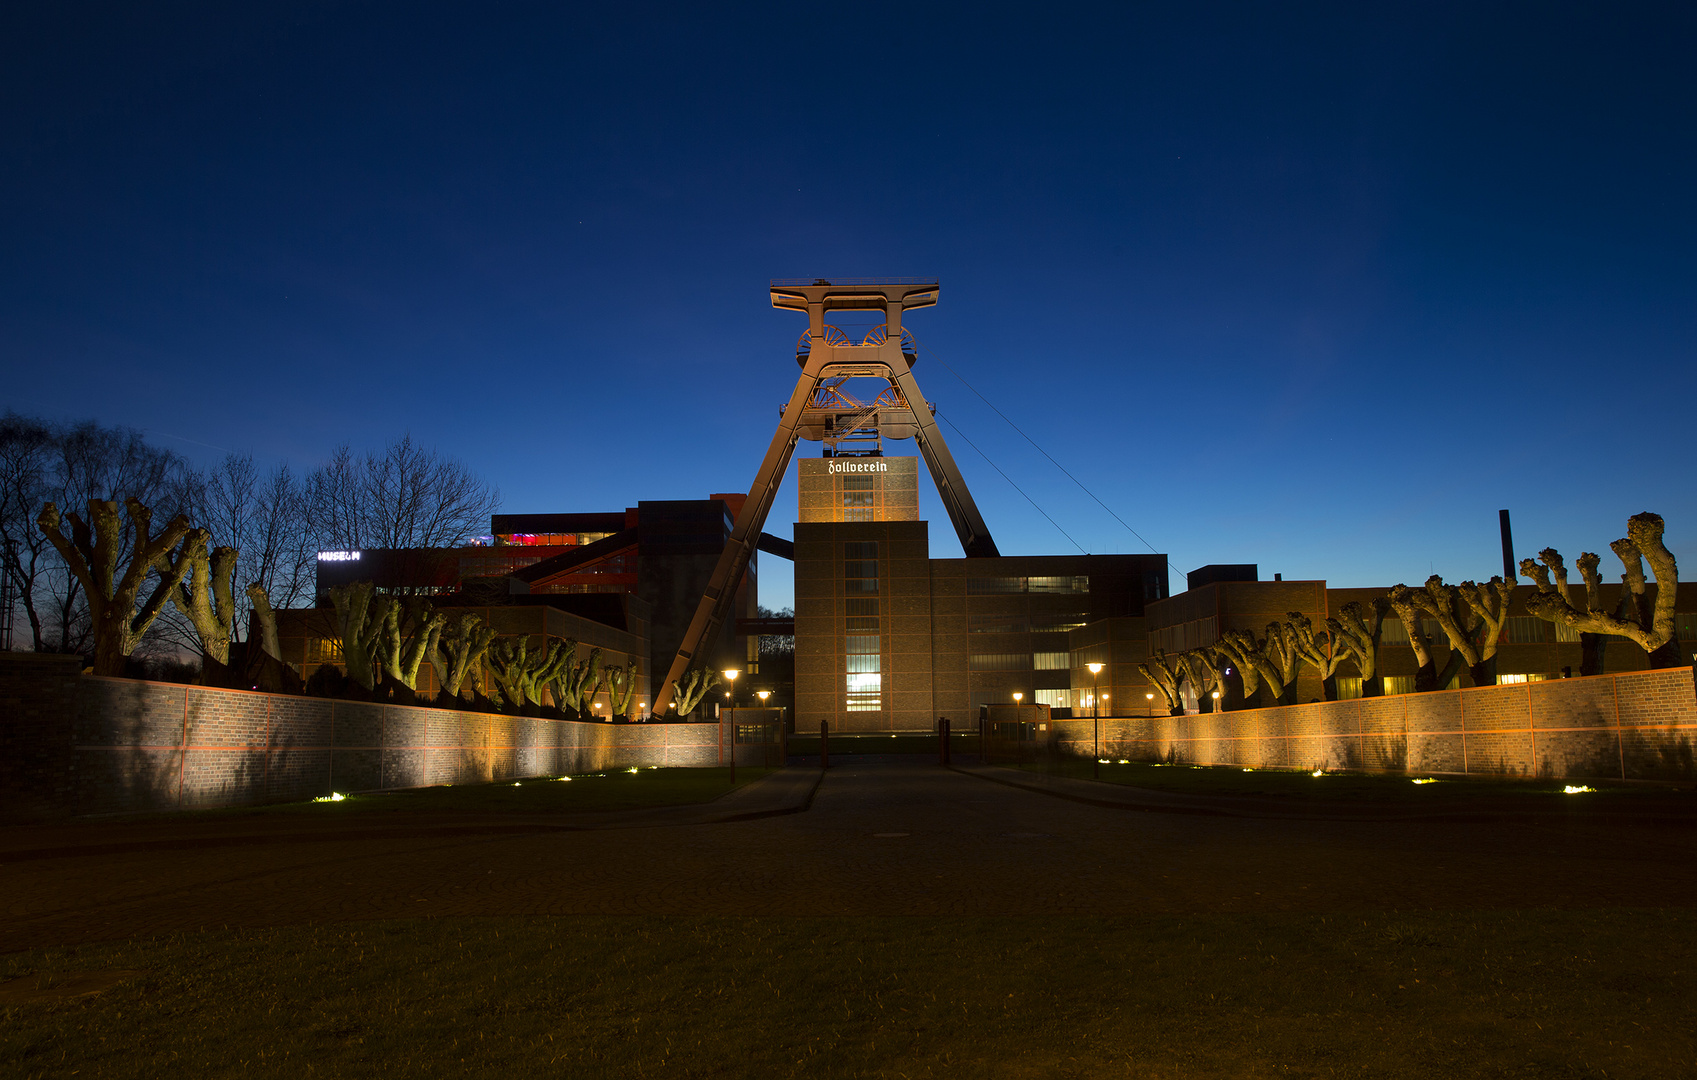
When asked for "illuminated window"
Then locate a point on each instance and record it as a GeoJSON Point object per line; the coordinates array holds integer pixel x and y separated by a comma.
{"type": "Point", "coordinates": [1055, 699]}
{"type": "Point", "coordinates": [1076, 583]}
{"type": "Point", "coordinates": [1050, 661]}
{"type": "Point", "coordinates": [1348, 688]}
{"type": "Point", "coordinates": [326, 651]}
{"type": "Point", "coordinates": [1568, 635]}
{"type": "Point", "coordinates": [999, 662]}
{"type": "Point", "coordinates": [863, 659]}
{"type": "Point", "coordinates": [1399, 684]}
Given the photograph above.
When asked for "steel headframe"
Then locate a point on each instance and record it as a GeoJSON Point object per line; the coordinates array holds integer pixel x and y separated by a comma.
{"type": "Point", "coordinates": [810, 415]}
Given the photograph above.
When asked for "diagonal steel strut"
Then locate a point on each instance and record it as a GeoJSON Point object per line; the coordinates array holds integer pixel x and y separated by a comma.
{"type": "Point", "coordinates": [884, 360]}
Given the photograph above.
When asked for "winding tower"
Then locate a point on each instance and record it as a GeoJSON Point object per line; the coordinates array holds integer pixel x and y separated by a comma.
{"type": "Point", "coordinates": [821, 409]}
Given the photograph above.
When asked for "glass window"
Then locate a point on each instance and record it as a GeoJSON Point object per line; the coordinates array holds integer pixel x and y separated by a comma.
{"type": "Point", "coordinates": [1568, 635]}
{"type": "Point", "coordinates": [1525, 630]}
{"type": "Point", "coordinates": [1050, 661]}
{"type": "Point", "coordinates": [864, 663]}
{"type": "Point", "coordinates": [860, 549]}
{"type": "Point", "coordinates": [996, 624]}
{"type": "Point", "coordinates": [859, 606]}
{"type": "Point", "coordinates": [1392, 632]}
{"type": "Point", "coordinates": [1399, 684]}
{"type": "Point", "coordinates": [1348, 688]}
{"type": "Point", "coordinates": [999, 662]}
{"type": "Point", "coordinates": [861, 643]}
{"type": "Point", "coordinates": [1055, 624]}
{"type": "Point", "coordinates": [1077, 583]}
{"type": "Point", "coordinates": [1055, 699]}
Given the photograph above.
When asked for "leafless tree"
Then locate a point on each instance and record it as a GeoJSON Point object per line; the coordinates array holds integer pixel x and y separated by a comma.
{"type": "Point", "coordinates": [405, 497]}
{"type": "Point", "coordinates": [263, 517]}
{"type": "Point", "coordinates": [69, 465]}
{"type": "Point", "coordinates": [1649, 624]}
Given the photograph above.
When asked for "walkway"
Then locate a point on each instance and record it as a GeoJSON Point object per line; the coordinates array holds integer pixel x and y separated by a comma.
{"type": "Point", "coordinates": [876, 839]}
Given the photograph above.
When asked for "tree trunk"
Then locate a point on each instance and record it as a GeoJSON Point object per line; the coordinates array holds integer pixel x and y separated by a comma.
{"type": "Point", "coordinates": [1483, 673]}
{"type": "Point", "coordinates": [1287, 696]}
{"type": "Point", "coordinates": [1667, 656]}
{"type": "Point", "coordinates": [1591, 653]}
{"type": "Point", "coordinates": [1204, 703]}
{"type": "Point", "coordinates": [1374, 687]}
{"type": "Point", "coordinates": [1452, 668]}
{"type": "Point", "coordinates": [1175, 710]}
{"type": "Point", "coordinates": [109, 654]}
{"type": "Point", "coordinates": [1329, 688]}
{"type": "Point", "coordinates": [1426, 679]}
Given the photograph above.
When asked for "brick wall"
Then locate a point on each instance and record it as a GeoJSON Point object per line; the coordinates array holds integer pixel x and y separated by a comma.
{"type": "Point", "coordinates": [77, 744]}
{"type": "Point", "coordinates": [1638, 725]}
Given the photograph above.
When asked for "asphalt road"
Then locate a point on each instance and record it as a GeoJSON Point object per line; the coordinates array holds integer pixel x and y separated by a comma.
{"type": "Point", "coordinates": [876, 839]}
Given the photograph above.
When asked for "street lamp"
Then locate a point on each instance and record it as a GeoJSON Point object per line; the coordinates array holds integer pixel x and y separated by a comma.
{"type": "Point", "coordinates": [731, 674]}
{"type": "Point", "coordinates": [1095, 723]}
{"type": "Point", "coordinates": [1018, 697]}
{"type": "Point", "coordinates": [1150, 710]}
{"type": "Point", "coordinates": [763, 695]}
{"type": "Point", "coordinates": [640, 706]}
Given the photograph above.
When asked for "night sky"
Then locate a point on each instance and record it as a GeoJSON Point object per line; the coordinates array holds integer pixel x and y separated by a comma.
{"type": "Point", "coordinates": [1317, 289]}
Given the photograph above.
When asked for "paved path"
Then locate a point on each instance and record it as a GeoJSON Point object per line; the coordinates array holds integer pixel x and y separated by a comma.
{"type": "Point", "coordinates": [876, 839]}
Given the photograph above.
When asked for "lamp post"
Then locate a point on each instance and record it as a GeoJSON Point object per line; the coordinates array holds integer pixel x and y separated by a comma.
{"type": "Point", "coordinates": [731, 674]}
{"type": "Point", "coordinates": [1149, 710]}
{"type": "Point", "coordinates": [1095, 723]}
{"type": "Point", "coordinates": [642, 709]}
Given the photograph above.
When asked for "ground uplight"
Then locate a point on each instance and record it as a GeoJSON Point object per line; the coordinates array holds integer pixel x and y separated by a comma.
{"type": "Point", "coordinates": [1425, 780]}
{"type": "Point", "coordinates": [334, 796]}
{"type": "Point", "coordinates": [1575, 789]}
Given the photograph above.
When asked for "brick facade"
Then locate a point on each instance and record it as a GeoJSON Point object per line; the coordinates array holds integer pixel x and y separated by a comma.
{"type": "Point", "coordinates": [78, 744]}
{"type": "Point", "coordinates": [1638, 725]}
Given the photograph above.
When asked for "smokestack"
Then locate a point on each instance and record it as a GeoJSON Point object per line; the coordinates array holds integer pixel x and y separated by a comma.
{"type": "Point", "coordinates": [1508, 548]}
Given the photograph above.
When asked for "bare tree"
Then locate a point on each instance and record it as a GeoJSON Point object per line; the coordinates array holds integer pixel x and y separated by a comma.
{"type": "Point", "coordinates": [1323, 651]}
{"type": "Point", "coordinates": [263, 517]}
{"type": "Point", "coordinates": [26, 452]}
{"type": "Point", "coordinates": [1648, 624]}
{"type": "Point", "coordinates": [118, 618]}
{"type": "Point", "coordinates": [42, 463]}
{"type": "Point", "coordinates": [405, 497]}
{"type": "Point", "coordinates": [1275, 660]}
{"type": "Point", "coordinates": [1472, 617]}
{"type": "Point", "coordinates": [1166, 673]}
{"type": "Point", "coordinates": [1202, 671]}
{"type": "Point", "coordinates": [1357, 630]}
{"type": "Point", "coordinates": [461, 648]}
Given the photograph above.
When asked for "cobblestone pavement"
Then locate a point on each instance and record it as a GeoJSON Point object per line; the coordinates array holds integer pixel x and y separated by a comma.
{"type": "Point", "coordinates": [893, 839]}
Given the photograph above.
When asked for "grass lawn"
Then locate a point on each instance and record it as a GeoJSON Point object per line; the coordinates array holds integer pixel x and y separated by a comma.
{"type": "Point", "coordinates": [1493, 994]}
{"type": "Point", "coordinates": [1225, 780]}
{"type": "Point", "coordinates": [618, 789]}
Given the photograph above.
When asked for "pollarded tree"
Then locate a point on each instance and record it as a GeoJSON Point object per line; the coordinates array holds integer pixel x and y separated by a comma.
{"type": "Point", "coordinates": [695, 686]}
{"type": "Point", "coordinates": [1472, 617]}
{"type": "Point", "coordinates": [410, 632]}
{"type": "Point", "coordinates": [1274, 660]}
{"type": "Point", "coordinates": [1166, 674]}
{"type": "Point", "coordinates": [1648, 624]}
{"type": "Point", "coordinates": [1323, 651]}
{"type": "Point", "coordinates": [588, 676]}
{"type": "Point", "coordinates": [621, 689]}
{"type": "Point", "coordinates": [92, 554]}
{"type": "Point", "coordinates": [1356, 630]}
{"type": "Point", "coordinates": [1202, 671]}
{"type": "Point", "coordinates": [360, 615]}
{"type": "Point", "coordinates": [460, 650]}
{"type": "Point", "coordinates": [205, 595]}
{"type": "Point", "coordinates": [1403, 602]}
{"type": "Point", "coordinates": [521, 671]}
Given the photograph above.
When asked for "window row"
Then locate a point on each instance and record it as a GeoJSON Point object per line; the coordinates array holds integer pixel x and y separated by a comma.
{"type": "Point", "coordinates": [1075, 583]}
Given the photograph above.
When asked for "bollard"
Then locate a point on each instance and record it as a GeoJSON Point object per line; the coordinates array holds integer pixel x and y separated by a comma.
{"type": "Point", "coordinates": [943, 741]}
{"type": "Point", "coordinates": [824, 744]}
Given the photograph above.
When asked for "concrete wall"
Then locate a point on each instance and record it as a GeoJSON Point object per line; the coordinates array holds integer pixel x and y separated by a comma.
{"type": "Point", "coordinates": [1636, 726]}
{"type": "Point", "coordinates": [77, 744]}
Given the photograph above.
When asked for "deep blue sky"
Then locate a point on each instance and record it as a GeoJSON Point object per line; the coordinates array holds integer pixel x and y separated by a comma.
{"type": "Point", "coordinates": [1318, 289]}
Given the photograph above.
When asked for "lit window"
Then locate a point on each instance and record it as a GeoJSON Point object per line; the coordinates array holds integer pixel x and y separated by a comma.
{"type": "Point", "coordinates": [1050, 661]}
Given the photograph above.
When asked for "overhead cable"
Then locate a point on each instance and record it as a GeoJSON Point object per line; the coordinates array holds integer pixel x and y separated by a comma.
{"type": "Point", "coordinates": [1016, 487]}
{"type": "Point", "coordinates": [933, 354]}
